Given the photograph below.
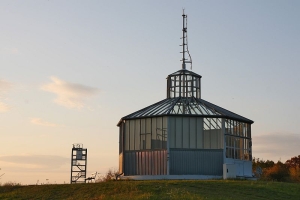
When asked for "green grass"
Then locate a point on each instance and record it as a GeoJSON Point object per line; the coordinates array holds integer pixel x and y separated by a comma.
{"type": "Point", "coordinates": [163, 189]}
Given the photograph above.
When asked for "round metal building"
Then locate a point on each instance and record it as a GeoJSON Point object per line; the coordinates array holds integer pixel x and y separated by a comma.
{"type": "Point", "coordinates": [184, 136]}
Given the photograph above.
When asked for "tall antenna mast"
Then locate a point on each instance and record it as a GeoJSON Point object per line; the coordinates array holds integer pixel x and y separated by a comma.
{"type": "Point", "coordinates": [185, 42]}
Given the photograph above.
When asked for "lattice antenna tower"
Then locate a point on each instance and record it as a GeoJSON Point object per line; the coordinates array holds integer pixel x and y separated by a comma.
{"type": "Point", "coordinates": [184, 44]}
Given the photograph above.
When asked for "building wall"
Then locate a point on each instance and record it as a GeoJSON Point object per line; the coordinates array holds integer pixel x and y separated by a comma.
{"type": "Point", "coordinates": [145, 146]}
{"type": "Point", "coordinates": [152, 162]}
{"type": "Point", "coordinates": [238, 140]}
{"type": "Point", "coordinates": [196, 162]}
{"type": "Point", "coordinates": [145, 134]}
{"type": "Point", "coordinates": [195, 145]}
{"type": "Point", "coordinates": [195, 133]}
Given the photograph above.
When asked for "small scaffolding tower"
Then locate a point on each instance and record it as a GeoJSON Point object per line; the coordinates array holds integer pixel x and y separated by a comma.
{"type": "Point", "coordinates": [78, 164]}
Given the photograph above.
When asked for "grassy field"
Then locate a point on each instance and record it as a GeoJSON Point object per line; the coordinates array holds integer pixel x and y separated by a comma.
{"type": "Point", "coordinates": [163, 189]}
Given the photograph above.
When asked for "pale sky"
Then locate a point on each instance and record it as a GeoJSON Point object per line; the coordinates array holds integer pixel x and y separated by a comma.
{"type": "Point", "coordinates": [71, 69]}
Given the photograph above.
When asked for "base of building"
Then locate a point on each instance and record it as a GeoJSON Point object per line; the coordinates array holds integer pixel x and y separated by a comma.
{"type": "Point", "coordinates": [171, 177]}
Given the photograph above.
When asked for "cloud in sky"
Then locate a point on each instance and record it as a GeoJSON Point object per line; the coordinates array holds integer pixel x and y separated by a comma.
{"type": "Point", "coordinates": [36, 161]}
{"type": "Point", "coordinates": [38, 121]}
{"type": "Point", "coordinates": [70, 95]}
{"type": "Point", "coordinates": [275, 146]}
{"type": "Point", "coordinates": [4, 87]}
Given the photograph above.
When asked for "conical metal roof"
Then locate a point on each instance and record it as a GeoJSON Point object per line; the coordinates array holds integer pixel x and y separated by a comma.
{"type": "Point", "coordinates": [186, 72]}
{"type": "Point", "coordinates": [185, 106]}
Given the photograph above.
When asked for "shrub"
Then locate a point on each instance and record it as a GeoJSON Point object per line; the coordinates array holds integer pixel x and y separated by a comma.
{"type": "Point", "coordinates": [278, 172]}
{"type": "Point", "coordinates": [110, 175]}
{"type": "Point", "coordinates": [295, 174]}
{"type": "Point", "coordinates": [9, 184]}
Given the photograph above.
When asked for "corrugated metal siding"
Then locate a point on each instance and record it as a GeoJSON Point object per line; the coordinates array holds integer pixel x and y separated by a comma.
{"type": "Point", "coordinates": [145, 162]}
{"type": "Point", "coordinates": [196, 162]}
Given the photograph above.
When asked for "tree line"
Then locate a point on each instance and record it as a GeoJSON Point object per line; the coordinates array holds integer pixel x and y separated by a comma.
{"type": "Point", "coordinates": [271, 171]}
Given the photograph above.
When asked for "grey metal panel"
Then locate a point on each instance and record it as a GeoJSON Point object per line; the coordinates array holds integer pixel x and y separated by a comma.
{"type": "Point", "coordinates": [148, 134]}
{"type": "Point", "coordinates": [193, 129]}
{"type": "Point", "coordinates": [153, 128]}
{"type": "Point", "coordinates": [221, 139]}
{"type": "Point", "coordinates": [127, 164]}
{"type": "Point", "coordinates": [165, 122]}
{"type": "Point", "coordinates": [143, 125]}
{"type": "Point", "coordinates": [214, 139]}
{"type": "Point", "coordinates": [206, 139]}
{"type": "Point", "coordinates": [178, 132]}
{"type": "Point", "coordinates": [185, 132]}
{"type": "Point", "coordinates": [145, 162]}
{"type": "Point", "coordinates": [200, 133]}
{"type": "Point", "coordinates": [148, 125]}
{"type": "Point", "coordinates": [126, 136]}
{"type": "Point", "coordinates": [131, 134]}
{"type": "Point", "coordinates": [137, 134]}
{"type": "Point", "coordinates": [159, 121]}
{"type": "Point", "coordinates": [171, 132]}
{"type": "Point", "coordinates": [196, 162]}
